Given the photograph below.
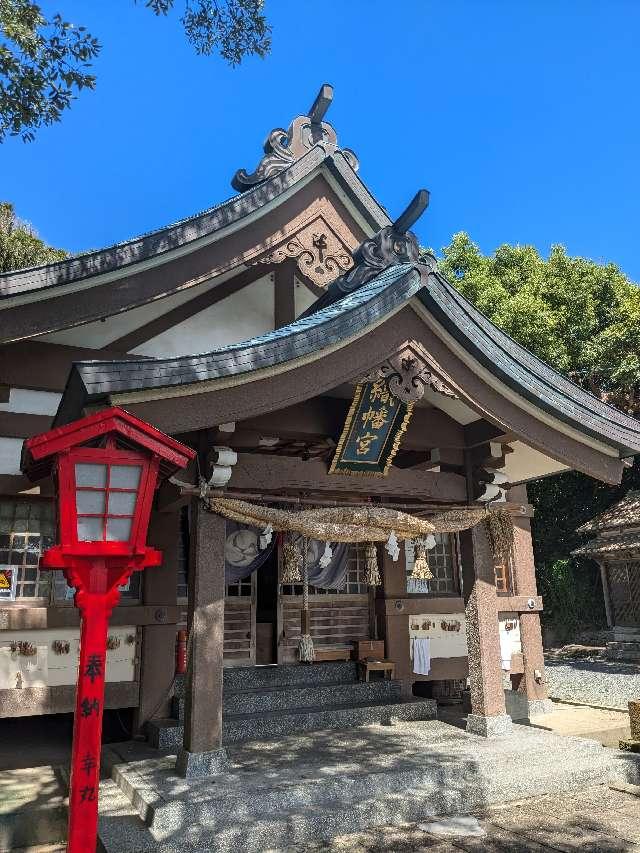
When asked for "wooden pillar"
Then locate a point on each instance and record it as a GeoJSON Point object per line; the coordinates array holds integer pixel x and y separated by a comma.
{"type": "Point", "coordinates": [608, 609]}
{"type": "Point", "coordinates": [202, 753]}
{"type": "Point", "coordinates": [531, 683]}
{"type": "Point", "coordinates": [488, 715]}
{"type": "Point", "coordinates": [284, 294]}
{"type": "Point", "coordinates": [396, 622]}
{"type": "Point", "coordinates": [158, 650]}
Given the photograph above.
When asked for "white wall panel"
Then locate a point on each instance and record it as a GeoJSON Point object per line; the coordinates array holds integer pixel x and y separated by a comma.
{"type": "Point", "coordinates": [243, 315]}
{"type": "Point", "coordinates": [102, 333]}
{"type": "Point", "coordinates": [48, 669]}
{"type": "Point", "coordinates": [31, 402]}
{"type": "Point", "coordinates": [10, 449]}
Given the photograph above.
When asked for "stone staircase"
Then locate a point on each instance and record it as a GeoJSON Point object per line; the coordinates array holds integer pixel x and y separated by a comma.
{"type": "Point", "coordinates": [275, 701]}
{"type": "Point", "coordinates": [623, 650]}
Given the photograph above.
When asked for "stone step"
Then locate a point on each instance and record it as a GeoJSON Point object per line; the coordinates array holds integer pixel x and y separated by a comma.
{"type": "Point", "coordinates": [288, 675]}
{"type": "Point", "coordinates": [33, 809]}
{"type": "Point", "coordinates": [623, 652]}
{"type": "Point", "coordinates": [624, 646]}
{"type": "Point", "coordinates": [167, 734]}
{"type": "Point", "coordinates": [266, 699]}
{"type": "Point", "coordinates": [246, 811]}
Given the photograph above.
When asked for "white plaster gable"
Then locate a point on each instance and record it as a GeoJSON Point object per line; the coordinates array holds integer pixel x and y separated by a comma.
{"type": "Point", "coordinates": [102, 332]}
{"type": "Point", "coordinates": [240, 316]}
{"type": "Point", "coordinates": [526, 463]}
{"type": "Point", "coordinates": [303, 298]}
{"type": "Point", "coordinates": [451, 406]}
{"type": "Point", "coordinates": [10, 450]}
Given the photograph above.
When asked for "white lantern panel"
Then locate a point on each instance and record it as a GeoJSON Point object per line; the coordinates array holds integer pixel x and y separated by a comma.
{"type": "Point", "coordinates": [90, 502]}
{"type": "Point", "coordinates": [118, 529]}
{"type": "Point", "coordinates": [122, 503]}
{"type": "Point", "coordinates": [89, 474]}
{"type": "Point", "coordinates": [90, 529]}
{"type": "Point", "coordinates": [125, 476]}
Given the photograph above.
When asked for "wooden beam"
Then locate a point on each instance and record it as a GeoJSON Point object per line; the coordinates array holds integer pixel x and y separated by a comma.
{"type": "Point", "coordinates": [20, 425]}
{"type": "Point", "coordinates": [259, 472]}
{"type": "Point", "coordinates": [325, 416]}
{"type": "Point", "coordinates": [188, 309]}
{"type": "Point", "coordinates": [480, 432]}
{"type": "Point", "coordinates": [44, 366]}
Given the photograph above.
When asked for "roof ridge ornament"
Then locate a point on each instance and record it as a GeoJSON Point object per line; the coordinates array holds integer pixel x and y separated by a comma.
{"type": "Point", "coordinates": [391, 245]}
{"type": "Point", "coordinates": [284, 147]}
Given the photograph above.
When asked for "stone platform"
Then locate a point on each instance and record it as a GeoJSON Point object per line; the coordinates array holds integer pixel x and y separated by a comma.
{"type": "Point", "coordinates": [318, 785]}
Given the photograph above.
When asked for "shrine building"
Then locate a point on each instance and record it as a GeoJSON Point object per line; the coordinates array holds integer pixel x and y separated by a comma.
{"type": "Point", "coordinates": [329, 377]}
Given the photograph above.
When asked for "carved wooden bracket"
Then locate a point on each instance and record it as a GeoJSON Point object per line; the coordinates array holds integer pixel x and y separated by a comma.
{"type": "Point", "coordinates": [408, 373]}
{"type": "Point", "coordinates": [321, 253]}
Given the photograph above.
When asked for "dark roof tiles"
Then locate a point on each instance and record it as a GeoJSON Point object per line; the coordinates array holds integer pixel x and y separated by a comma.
{"type": "Point", "coordinates": [609, 545]}
{"type": "Point", "coordinates": [509, 363]}
{"type": "Point", "coordinates": [625, 513]}
{"type": "Point", "coordinates": [185, 231]}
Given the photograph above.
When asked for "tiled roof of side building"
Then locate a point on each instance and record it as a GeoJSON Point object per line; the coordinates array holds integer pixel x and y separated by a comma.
{"type": "Point", "coordinates": [609, 545]}
{"type": "Point", "coordinates": [625, 513]}
{"type": "Point", "coordinates": [185, 231]}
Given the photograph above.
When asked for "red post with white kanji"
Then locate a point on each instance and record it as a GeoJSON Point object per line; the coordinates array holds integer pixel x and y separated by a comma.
{"type": "Point", "coordinates": [95, 609]}
{"type": "Point", "coordinates": [106, 468]}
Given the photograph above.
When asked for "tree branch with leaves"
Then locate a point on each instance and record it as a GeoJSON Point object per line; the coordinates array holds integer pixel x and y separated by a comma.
{"type": "Point", "coordinates": [46, 63]}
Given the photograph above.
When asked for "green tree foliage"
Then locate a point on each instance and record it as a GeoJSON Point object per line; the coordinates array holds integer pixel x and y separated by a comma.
{"type": "Point", "coordinates": [234, 29]}
{"type": "Point", "coordinates": [583, 318]}
{"type": "Point", "coordinates": [45, 63]}
{"type": "Point", "coordinates": [19, 246]}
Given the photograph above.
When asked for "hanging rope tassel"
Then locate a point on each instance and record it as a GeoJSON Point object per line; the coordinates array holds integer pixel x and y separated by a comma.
{"type": "Point", "coordinates": [421, 570]}
{"type": "Point", "coordinates": [291, 562]}
{"type": "Point", "coordinates": [306, 651]}
{"type": "Point", "coordinates": [371, 571]}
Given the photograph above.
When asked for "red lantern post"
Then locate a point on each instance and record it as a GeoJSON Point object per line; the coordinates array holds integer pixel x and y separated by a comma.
{"type": "Point", "coordinates": [106, 468]}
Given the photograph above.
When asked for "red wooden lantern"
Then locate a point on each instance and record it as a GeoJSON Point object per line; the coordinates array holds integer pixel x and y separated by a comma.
{"type": "Point", "coordinates": [106, 468]}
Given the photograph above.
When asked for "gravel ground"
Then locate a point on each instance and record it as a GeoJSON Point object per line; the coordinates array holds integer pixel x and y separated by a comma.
{"type": "Point", "coordinates": [594, 682]}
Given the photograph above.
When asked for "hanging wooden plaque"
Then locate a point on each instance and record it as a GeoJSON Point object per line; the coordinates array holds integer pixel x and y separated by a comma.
{"type": "Point", "coordinates": [372, 432]}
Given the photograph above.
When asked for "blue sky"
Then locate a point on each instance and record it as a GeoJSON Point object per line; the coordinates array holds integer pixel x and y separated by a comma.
{"type": "Point", "coordinates": [521, 118]}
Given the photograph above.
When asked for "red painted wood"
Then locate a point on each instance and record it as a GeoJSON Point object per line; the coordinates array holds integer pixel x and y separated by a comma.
{"type": "Point", "coordinates": [40, 452]}
{"type": "Point", "coordinates": [95, 603]}
{"type": "Point", "coordinates": [97, 568]}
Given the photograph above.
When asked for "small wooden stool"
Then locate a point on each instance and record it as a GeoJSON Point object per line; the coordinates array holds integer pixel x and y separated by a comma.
{"type": "Point", "coordinates": [388, 667]}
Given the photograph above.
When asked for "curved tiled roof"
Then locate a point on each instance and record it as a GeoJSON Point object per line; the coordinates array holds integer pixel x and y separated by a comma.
{"type": "Point", "coordinates": [524, 372]}
{"type": "Point", "coordinates": [506, 360]}
{"type": "Point", "coordinates": [125, 254]}
{"type": "Point", "coordinates": [93, 380]}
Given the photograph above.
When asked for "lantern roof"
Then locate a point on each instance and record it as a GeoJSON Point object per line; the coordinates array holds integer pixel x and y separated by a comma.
{"type": "Point", "coordinates": [39, 452]}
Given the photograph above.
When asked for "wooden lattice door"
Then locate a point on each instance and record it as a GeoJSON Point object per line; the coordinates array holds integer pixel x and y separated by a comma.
{"type": "Point", "coordinates": [624, 592]}
{"type": "Point", "coordinates": [240, 623]}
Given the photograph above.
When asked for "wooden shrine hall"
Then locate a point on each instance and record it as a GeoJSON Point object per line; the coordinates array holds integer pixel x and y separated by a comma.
{"type": "Point", "coordinates": [331, 380]}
